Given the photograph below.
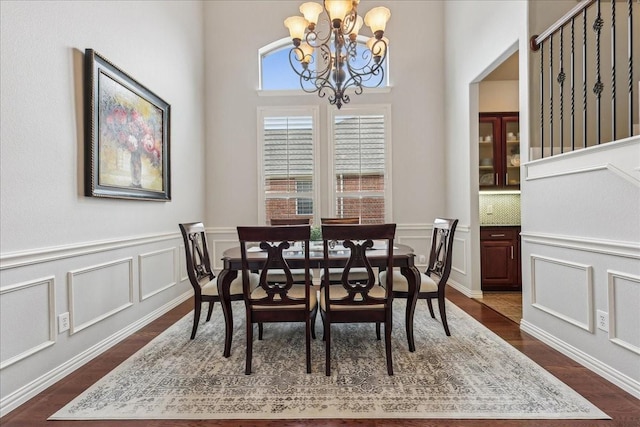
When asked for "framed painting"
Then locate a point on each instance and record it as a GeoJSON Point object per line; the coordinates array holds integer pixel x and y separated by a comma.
{"type": "Point", "coordinates": [127, 132]}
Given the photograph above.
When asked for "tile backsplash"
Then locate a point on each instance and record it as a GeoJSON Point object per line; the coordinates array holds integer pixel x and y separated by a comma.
{"type": "Point", "coordinates": [499, 209]}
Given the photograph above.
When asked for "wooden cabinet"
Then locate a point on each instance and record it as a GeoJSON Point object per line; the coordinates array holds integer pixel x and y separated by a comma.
{"type": "Point", "coordinates": [500, 258]}
{"type": "Point", "coordinates": [499, 151]}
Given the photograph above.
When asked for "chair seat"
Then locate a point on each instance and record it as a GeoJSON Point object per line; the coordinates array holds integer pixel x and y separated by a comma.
{"type": "Point", "coordinates": [335, 274]}
{"type": "Point", "coordinates": [278, 276]}
{"type": "Point", "coordinates": [400, 282]}
{"type": "Point", "coordinates": [338, 292]}
{"type": "Point", "coordinates": [296, 291]}
{"type": "Point", "coordinates": [211, 287]}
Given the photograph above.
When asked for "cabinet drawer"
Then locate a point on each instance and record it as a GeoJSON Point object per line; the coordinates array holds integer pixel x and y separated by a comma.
{"type": "Point", "coordinates": [499, 233]}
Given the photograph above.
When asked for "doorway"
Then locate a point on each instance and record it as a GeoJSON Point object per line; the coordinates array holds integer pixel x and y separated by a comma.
{"type": "Point", "coordinates": [499, 188]}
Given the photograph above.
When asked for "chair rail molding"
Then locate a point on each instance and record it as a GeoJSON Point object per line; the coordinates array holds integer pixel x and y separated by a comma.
{"type": "Point", "coordinates": [55, 253]}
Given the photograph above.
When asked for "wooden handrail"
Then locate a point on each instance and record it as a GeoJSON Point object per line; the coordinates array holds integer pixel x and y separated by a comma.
{"type": "Point", "coordinates": [577, 9]}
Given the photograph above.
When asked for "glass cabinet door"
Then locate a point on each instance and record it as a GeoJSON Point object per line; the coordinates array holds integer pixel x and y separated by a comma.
{"type": "Point", "coordinates": [512, 151]}
{"type": "Point", "coordinates": [488, 157]}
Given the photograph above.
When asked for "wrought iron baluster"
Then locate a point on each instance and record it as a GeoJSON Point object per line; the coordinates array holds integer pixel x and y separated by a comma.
{"type": "Point", "coordinates": [630, 66]}
{"type": "Point", "coordinates": [584, 78]}
{"type": "Point", "coordinates": [613, 70]}
{"type": "Point", "coordinates": [573, 85]}
{"type": "Point", "coordinates": [561, 78]}
{"type": "Point", "coordinates": [542, 99]}
{"type": "Point", "coordinates": [598, 86]}
{"type": "Point", "coordinates": [550, 95]}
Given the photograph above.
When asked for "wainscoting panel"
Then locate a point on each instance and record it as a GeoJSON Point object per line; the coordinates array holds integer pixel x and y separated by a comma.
{"type": "Point", "coordinates": [157, 271]}
{"type": "Point", "coordinates": [27, 315]}
{"type": "Point", "coordinates": [624, 310]}
{"type": "Point", "coordinates": [459, 261]}
{"type": "Point", "coordinates": [555, 281]}
{"type": "Point", "coordinates": [99, 291]}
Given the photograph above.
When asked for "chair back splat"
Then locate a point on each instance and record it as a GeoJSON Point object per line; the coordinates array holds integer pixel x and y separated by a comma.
{"type": "Point", "coordinates": [283, 300]}
{"type": "Point", "coordinates": [357, 301]}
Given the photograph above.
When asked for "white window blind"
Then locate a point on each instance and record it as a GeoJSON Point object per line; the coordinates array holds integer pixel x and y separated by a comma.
{"type": "Point", "coordinates": [360, 166]}
{"type": "Point", "coordinates": [288, 166]}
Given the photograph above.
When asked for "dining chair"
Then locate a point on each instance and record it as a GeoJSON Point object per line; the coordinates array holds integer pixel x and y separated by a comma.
{"type": "Point", "coordinates": [357, 301]}
{"type": "Point", "coordinates": [434, 280]}
{"type": "Point", "coordinates": [201, 277]}
{"type": "Point", "coordinates": [276, 275]}
{"type": "Point", "coordinates": [276, 302]}
{"type": "Point", "coordinates": [336, 273]}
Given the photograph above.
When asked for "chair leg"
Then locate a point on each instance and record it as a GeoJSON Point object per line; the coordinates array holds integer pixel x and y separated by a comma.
{"type": "Point", "coordinates": [314, 313]}
{"type": "Point", "coordinates": [387, 345]}
{"type": "Point", "coordinates": [260, 331]}
{"type": "Point", "coordinates": [210, 310]}
{"type": "Point", "coordinates": [247, 369]}
{"type": "Point", "coordinates": [433, 315]}
{"type": "Point", "coordinates": [443, 314]}
{"type": "Point", "coordinates": [327, 346]}
{"type": "Point", "coordinates": [307, 336]}
{"type": "Point", "coordinates": [378, 330]}
{"type": "Point", "coordinates": [196, 318]}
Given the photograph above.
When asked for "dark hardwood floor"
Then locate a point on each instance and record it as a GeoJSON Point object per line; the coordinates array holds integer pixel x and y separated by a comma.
{"type": "Point", "coordinates": [621, 406]}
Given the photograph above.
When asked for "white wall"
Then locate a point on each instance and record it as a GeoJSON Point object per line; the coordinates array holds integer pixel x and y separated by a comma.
{"type": "Point", "coordinates": [113, 264]}
{"type": "Point", "coordinates": [478, 37]}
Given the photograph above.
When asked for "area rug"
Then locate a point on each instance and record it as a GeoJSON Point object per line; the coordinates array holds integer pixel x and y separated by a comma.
{"type": "Point", "coordinates": [471, 374]}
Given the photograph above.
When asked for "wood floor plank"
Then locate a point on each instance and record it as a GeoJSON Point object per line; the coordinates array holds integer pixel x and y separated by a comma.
{"type": "Point", "coordinates": [621, 406]}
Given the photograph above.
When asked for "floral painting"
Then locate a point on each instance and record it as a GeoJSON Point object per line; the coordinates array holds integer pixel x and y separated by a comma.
{"type": "Point", "coordinates": [128, 139]}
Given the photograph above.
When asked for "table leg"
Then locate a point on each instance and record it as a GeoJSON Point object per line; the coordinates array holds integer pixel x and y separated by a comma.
{"type": "Point", "coordinates": [412, 274]}
{"type": "Point", "coordinates": [224, 283]}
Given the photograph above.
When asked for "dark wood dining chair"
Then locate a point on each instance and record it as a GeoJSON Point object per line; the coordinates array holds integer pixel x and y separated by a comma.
{"type": "Point", "coordinates": [334, 221]}
{"type": "Point", "coordinates": [434, 280]}
{"type": "Point", "coordinates": [357, 301]}
{"type": "Point", "coordinates": [201, 277]}
{"type": "Point", "coordinates": [276, 302]}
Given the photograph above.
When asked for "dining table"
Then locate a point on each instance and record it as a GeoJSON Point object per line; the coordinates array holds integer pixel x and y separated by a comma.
{"type": "Point", "coordinates": [403, 258]}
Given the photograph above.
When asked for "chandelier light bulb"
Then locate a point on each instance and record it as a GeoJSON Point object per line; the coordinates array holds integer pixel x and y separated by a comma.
{"type": "Point", "coordinates": [376, 19]}
{"type": "Point", "coordinates": [356, 28]}
{"type": "Point", "coordinates": [304, 53]}
{"type": "Point", "coordinates": [311, 11]}
{"type": "Point", "coordinates": [297, 26]}
{"type": "Point", "coordinates": [378, 47]}
{"type": "Point", "coordinates": [337, 9]}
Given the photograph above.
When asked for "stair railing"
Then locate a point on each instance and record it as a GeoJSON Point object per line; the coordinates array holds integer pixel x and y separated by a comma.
{"type": "Point", "coordinates": [581, 69]}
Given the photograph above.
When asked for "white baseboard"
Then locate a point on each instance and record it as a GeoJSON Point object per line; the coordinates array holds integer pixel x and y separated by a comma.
{"type": "Point", "coordinates": [607, 372]}
{"type": "Point", "coordinates": [469, 293]}
{"type": "Point", "coordinates": [20, 396]}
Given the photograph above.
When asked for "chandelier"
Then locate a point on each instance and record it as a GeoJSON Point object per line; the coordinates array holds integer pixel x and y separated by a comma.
{"type": "Point", "coordinates": [338, 64]}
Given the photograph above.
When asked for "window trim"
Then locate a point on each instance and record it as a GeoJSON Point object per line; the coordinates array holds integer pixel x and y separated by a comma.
{"type": "Point", "coordinates": [262, 113]}
{"type": "Point", "coordinates": [351, 109]}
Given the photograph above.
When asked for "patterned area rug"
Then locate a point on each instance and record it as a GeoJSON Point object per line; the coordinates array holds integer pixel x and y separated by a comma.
{"type": "Point", "coordinates": [472, 374]}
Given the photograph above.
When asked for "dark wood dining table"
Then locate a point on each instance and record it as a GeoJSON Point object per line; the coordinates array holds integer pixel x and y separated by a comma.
{"type": "Point", "coordinates": [403, 258]}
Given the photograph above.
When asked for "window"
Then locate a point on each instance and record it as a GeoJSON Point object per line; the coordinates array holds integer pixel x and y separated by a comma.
{"type": "Point", "coordinates": [360, 158]}
{"type": "Point", "coordinates": [287, 153]}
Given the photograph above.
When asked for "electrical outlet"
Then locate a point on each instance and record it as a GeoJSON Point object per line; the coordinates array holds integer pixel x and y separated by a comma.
{"type": "Point", "coordinates": [422, 259]}
{"type": "Point", "coordinates": [603, 320]}
{"type": "Point", "coordinates": [63, 322]}
{"type": "Point", "coordinates": [489, 209]}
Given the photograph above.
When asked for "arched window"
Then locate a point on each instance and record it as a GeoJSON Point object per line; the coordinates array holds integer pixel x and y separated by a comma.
{"type": "Point", "coordinates": [276, 73]}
